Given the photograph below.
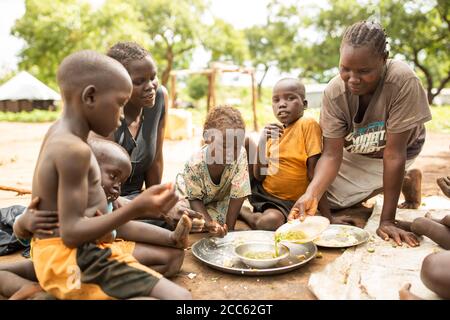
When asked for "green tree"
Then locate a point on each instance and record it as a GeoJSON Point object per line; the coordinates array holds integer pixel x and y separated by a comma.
{"type": "Point", "coordinates": [174, 28]}
{"type": "Point", "coordinates": [197, 87]}
{"type": "Point", "coordinates": [270, 45]}
{"type": "Point", "coordinates": [418, 32]}
{"type": "Point", "coordinates": [261, 51]}
{"type": "Point", "coordinates": [225, 42]}
{"type": "Point", "coordinates": [318, 56]}
{"type": "Point", "coordinates": [52, 29]}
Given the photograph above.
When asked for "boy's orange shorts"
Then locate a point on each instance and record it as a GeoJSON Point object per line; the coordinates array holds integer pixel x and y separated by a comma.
{"type": "Point", "coordinates": [91, 271]}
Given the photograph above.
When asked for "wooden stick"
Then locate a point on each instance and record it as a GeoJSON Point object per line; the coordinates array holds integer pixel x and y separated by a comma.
{"type": "Point", "coordinates": [19, 191]}
{"type": "Point", "coordinates": [255, 120]}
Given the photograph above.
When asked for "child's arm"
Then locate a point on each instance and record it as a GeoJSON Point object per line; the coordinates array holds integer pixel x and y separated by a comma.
{"type": "Point", "coordinates": [33, 221]}
{"type": "Point", "coordinates": [323, 205]}
{"type": "Point", "coordinates": [138, 231]}
{"type": "Point", "coordinates": [273, 130]}
{"type": "Point", "coordinates": [261, 164]}
{"type": "Point", "coordinates": [212, 226]}
{"type": "Point", "coordinates": [19, 228]}
{"type": "Point", "coordinates": [197, 205]}
{"type": "Point", "coordinates": [73, 168]}
{"type": "Point", "coordinates": [233, 211]}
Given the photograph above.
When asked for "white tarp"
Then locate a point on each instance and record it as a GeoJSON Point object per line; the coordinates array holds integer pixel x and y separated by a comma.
{"type": "Point", "coordinates": [26, 87]}
{"type": "Point", "coordinates": [360, 274]}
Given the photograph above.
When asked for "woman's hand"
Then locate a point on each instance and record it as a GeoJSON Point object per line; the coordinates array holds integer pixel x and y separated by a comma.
{"type": "Point", "coordinates": [389, 230]}
{"type": "Point", "coordinates": [305, 205]}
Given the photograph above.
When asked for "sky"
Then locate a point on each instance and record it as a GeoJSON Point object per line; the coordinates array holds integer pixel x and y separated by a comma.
{"type": "Point", "coordinates": [240, 13]}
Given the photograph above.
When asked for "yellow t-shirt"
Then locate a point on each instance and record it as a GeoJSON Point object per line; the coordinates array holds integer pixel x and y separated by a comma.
{"type": "Point", "coordinates": [287, 177]}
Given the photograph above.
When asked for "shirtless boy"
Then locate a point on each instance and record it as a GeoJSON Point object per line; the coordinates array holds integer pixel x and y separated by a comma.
{"type": "Point", "coordinates": [71, 264]}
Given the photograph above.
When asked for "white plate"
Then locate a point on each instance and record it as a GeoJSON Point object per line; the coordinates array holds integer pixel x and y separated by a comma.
{"type": "Point", "coordinates": [342, 236]}
{"type": "Point", "coordinates": [312, 227]}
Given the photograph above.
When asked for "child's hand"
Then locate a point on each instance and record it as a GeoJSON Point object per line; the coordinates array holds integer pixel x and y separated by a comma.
{"type": "Point", "coordinates": [198, 225]}
{"type": "Point", "coordinates": [156, 201]}
{"type": "Point", "coordinates": [174, 215]}
{"type": "Point", "coordinates": [39, 222]}
{"type": "Point", "coordinates": [273, 131]}
{"type": "Point", "coordinates": [216, 230]}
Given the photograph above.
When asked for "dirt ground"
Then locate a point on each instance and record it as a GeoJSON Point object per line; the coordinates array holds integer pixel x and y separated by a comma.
{"type": "Point", "coordinates": [18, 152]}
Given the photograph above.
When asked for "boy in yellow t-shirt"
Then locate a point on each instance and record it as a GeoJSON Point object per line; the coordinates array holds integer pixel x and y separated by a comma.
{"type": "Point", "coordinates": [286, 158]}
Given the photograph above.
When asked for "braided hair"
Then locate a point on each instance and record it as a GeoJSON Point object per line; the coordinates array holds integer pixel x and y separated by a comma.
{"type": "Point", "coordinates": [125, 52]}
{"type": "Point", "coordinates": [365, 33]}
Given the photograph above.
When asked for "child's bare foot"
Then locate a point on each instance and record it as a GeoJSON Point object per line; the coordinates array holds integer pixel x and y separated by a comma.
{"type": "Point", "coordinates": [444, 184]}
{"type": "Point", "coordinates": [412, 188]}
{"type": "Point", "coordinates": [405, 293]}
{"type": "Point", "coordinates": [27, 292]}
{"type": "Point", "coordinates": [180, 235]}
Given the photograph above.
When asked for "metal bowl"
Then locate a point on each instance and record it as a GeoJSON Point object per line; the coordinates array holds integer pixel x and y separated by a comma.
{"type": "Point", "coordinates": [242, 249]}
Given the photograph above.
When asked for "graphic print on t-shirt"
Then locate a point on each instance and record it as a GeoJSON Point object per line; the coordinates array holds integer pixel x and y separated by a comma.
{"type": "Point", "coordinates": [368, 139]}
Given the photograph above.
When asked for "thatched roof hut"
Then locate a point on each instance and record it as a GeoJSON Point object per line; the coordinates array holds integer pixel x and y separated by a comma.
{"type": "Point", "coordinates": [25, 93]}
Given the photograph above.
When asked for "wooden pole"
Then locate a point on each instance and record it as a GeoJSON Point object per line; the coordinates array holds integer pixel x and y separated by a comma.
{"type": "Point", "coordinates": [18, 190]}
{"type": "Point", "coordinates": [208, 102]}
{"type": "Point", "coordinates": [213, 86]}
{"type": "Point", "coordinates": [173, 90]}
{"type": "Point", "coordinates": [255, 120]}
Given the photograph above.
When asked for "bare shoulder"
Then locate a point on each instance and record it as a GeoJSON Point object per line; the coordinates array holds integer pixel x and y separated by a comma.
{"type": "Point", "coordinates": [164, 92]}
{"type": "Point", "coordinates": [69, 151]}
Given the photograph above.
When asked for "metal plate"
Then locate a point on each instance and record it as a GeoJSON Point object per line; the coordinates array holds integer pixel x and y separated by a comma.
{"type": "Point", "coordinates": [218, 253]}
{"type": "Point", "coordinates": [342, 236]}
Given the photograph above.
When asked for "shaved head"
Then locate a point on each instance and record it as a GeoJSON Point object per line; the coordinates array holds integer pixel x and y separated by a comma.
{"type": "Point", "coordinates": [107, 151]}
{"type": "Point", "coordinates": [88, 67]}
{"type": "Point", "coordinates": [294, 84]}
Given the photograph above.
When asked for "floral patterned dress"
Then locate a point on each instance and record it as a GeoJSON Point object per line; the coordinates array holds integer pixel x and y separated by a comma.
{"type": "Point", "coordinates": [195, 183]}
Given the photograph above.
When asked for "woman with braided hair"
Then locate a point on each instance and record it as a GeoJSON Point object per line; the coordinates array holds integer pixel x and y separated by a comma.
{"type": "Point", "coordinates": [372, 119]}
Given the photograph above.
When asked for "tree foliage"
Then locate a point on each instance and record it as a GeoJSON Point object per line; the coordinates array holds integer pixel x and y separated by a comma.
{"type": "Point", "coordinates": [270, 45]}
{"type": "Point", "coordinates": [52, 29]}
{"type": "Point", "coordinates": [295, 36]}
{"type": "Point", "coordinates": [418, 32]}
{"type": "Point", "coordinates": [174, 29]}
{"type": "Point", "coordinates": [225, 42]}
{"type": "Point", "coordinates": [197, 87]}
